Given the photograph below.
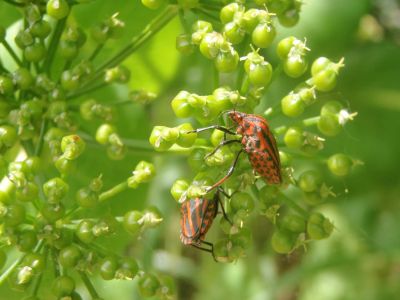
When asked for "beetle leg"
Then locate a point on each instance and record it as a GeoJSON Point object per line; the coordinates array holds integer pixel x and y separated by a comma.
{"type": "Point", "coordinates": [230, 171]}
{"type": "Point", "coordinates": [223, 143]}
{"type": "Point", "coordinates": [218, 127]}
{"type": "Point", "coordinates": [210, 250]}
{"type": "Point", "coordinates": [222, 206]}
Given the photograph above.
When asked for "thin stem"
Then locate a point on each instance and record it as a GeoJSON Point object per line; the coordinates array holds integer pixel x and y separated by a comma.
{"type": "Point", "coordinates": [12, 53]}
{"type": "Point", "coordinates": [96, 51]}
{"type": "Point", "coordinates": [87, 90]}
{"type": "Point", "coordinates": [54, 44]}
{"type": "Point", "coordinates": [89, 285]}
{"type": "Point", "coordinates": [310, 121]}
{"type": "Point", "coordinates": [113, 191]}
{"type": "Point", "coordinates": [293, 205]}
{"type": "Point", "coordinates": [151, 29]}
{"type": "Point", "coordinates": [39, 145]}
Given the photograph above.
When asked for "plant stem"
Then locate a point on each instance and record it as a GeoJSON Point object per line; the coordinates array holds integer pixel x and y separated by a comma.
{"type": "Point", "coordinates": [310, 121]}
{"type": "Point", "coordinates": [87, 90]}
{"type": "Point", "coordinates": [54, 44]}
{"type": "Point", "coordinates": [89, 285]}
{"type": "Point", "coordinates": [12, 53]}
{"type": "Point", "coordinates": [151, 29]}
{"type": "Point", "coordinates": [39, 145]}
{"type": "Point", "coordinates": [293, 205]}
{"type": "Point", "coordinates": [113, 191]}
{"type": "Point", "coordinates": [96, 51]}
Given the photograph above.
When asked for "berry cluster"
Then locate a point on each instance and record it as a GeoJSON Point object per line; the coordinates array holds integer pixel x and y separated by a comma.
{"type": "Point", "coordinates": [44, 98]}
{"type": "Point", "coordinates": [251, 72]}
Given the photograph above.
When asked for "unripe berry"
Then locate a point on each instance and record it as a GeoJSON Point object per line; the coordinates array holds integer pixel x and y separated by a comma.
{"type": "Point", "coordinates": [148, 285]}
{"type": "Point", "coordinates": [58, 9]}
{"type": "Point", "coordinates": [339, 164]}
{"type": "Point", "coordinates": [319, 227]}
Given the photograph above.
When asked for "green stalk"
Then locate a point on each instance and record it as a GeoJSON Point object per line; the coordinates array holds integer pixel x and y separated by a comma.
{"type": "Point", "coordinates": [113, 191]}
{"type": "Point", "coordinates": [12, 53]}
{"type": "Point", "coordinates": [150, 30]}
{"type": "Point", "coordinates": [96, 51]}
{"type": "Point", "coordinates": [89, 285]}
{"type": "Point", "coordinates": [54, 44]}
{"type": "Point", "coordinates": [39, 145]}
{"type": "Point", "coordinates": [310, 121]}
{"type": "Point", "coordinates": [87, 90]}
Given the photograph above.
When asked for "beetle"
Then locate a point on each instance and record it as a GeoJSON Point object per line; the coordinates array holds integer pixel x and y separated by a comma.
{"type": "Point", "coordinates": [257, 141]}
{"type": "Point", "coordinates": [197, 216]}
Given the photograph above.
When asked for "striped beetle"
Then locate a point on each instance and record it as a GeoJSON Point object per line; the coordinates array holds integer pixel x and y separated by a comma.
{"type": "Point", "coordinates": [197, 216]}
{"type": "Point", "coordinates": [257, 141]}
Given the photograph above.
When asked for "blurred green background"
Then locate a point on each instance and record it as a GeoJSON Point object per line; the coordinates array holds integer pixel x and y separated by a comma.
{"type": "Point", "coordinates": [361, 260]}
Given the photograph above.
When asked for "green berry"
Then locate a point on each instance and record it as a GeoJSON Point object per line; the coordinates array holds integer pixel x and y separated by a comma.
{"type": "Point", "coordinates": [72, 146]}
{"type": "Point", "coordinates": [69, 256]}
{"type": "Point", "coordinates": [58, 9]}
{"type": "Point", "coordinates": [55, 189]}
{"type": "Point", "coordinates": [320, 64]}
{"type": "Point", "coordinates": [292, 105]}
{"type": "Point", "coordinates": [309, 181]}
{"type": "Point", "coordinates": [133, 221]}
{"type": "Point", "coordinates": [284, 47]}
{"type": "Point", "coordinates": [228, 12]}
{"type": "Point", "coordinates": [180, 105]}
{"type": "Point", "coordinates": [41, 29]}
{"type": "Point", "coordinates": [15, 215]}
{"type": "Point", "coordinates": [294, 137]}
{"type": "Point", "coordinates": [63, 286]}
{"type": "Point", "coordinates": [185, 139]}
{"type": "Point", "coordinates": [260, 74]}
{"type": "Point", "coordinates": [234, 33]}
{"type": "Point", "coordinates": [84, 231]}
{"type": "Point", "coordinates": [128, 269]}
{"type": "Point", "coordinates": [329, 125]}
{"type": "Point", "coordinates": [65, 166]}
{"type": "Point", "coordinates": [8, 135]}
{"type": "Point", "coordinates": [325, 80]}
{"type": "Point", "coordinates": [68, 50]}
{"type": "Point", "coordinates": [69, 81]}
{"type": "Point", "coordinates": [86, 198]}
{"type": "Point", "coordinates": [210, 45]}
{"type": "Point", "coordinates": [27, 240]}
{"type": "Point", "coordinates": [319, 227]}
{"type": "Point", "coordinates": [23, 78]}
{"type": "Point", "coordinates": [28, 192]}
{"type": "Point", "coordinates": [162, 138]}
{"type": "Point", "coordinates": [263, 35]}
{"type": "Point", "coordinates": [339, 164]}
{"type": "Point", "coordinates": [6, 85]}
{"type": "Point", "coordinates": [107, 267]}
{"type": "Point", "coordinates": [35, 52]}
{"type": "Point", "coordinates": [226, 62]}
{"type": "Point", "coordinates": [283, 241]}
{"type": "Point", "coordinates": [179, 187]}
{"type": "Point", "coordinates": [148, 285]}
{"type": "Point", "coordinates": [289, 18]}
{"type": "Point", "coordinates": [294, 66]}
{"type": "Point", "coordinates": [53, 212]}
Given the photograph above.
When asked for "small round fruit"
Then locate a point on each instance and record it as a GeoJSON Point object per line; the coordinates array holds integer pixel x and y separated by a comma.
{"type": "Point", "coordinates": [263, 35]}
{"type": "Point", "coordinates": [58, 9]}
{"type": "Point", "coordinates": [339, 164]}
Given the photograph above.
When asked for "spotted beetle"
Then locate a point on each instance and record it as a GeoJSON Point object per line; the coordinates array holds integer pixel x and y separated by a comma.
{"type": "Point", "coordinates": [197, 216]}
{"type": "Point", "coordinates": [257, 141]}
